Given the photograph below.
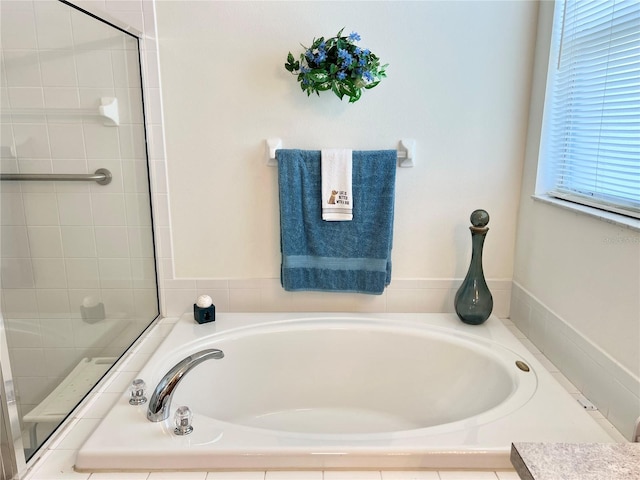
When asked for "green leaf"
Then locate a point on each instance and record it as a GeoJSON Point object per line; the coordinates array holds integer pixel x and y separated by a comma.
{"type": "Point", "coordinates": [318, 76]}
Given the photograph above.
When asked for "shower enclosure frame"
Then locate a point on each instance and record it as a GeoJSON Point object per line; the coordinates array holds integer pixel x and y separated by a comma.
{"type": "Point", "coordinates": [13, 462]}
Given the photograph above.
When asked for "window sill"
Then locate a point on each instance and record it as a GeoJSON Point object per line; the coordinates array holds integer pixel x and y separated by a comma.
{"type": "Point", "coordinates": [609, 217]}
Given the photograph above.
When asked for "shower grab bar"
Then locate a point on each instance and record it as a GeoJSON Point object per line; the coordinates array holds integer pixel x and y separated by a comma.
{"type": "Point", "coordinates": [101, 176]}
{"type": "Point", "coordinates": [406, 152]}
{"type": "Point", "coordinates": [108, 109]}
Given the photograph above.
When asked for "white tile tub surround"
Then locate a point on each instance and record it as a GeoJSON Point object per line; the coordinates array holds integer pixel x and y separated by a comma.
{"type": "Point", "coordinates": [588, 369]}
{"type": "Point", "coordinates": [267, 295]}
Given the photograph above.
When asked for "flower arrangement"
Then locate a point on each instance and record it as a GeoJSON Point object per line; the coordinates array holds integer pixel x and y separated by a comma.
{"type": "Point", "coordinates": [337, 64]}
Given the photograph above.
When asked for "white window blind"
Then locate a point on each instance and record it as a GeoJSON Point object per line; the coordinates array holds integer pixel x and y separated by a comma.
{"type": "Point", "coordinates": [591, 139]}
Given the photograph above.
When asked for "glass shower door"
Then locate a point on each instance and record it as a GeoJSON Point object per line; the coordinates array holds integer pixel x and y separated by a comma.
{"type": "Point", "coordinates": [77, 267]}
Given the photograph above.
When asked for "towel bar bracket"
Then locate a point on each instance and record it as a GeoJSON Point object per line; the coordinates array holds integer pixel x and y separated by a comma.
{"type": "Point", "coordinates": [406, 151]}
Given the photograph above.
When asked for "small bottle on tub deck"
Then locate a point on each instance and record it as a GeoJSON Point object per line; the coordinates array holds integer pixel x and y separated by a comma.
{"type": "Point", "coordinates": [204, 311]}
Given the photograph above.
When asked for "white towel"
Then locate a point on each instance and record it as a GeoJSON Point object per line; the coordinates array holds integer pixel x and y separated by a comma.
{"type": "Point", "coordinates": [337, 196]}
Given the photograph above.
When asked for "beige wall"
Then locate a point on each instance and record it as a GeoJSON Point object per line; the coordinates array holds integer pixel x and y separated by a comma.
{"type": "Point", "coordinates": [458, 84]}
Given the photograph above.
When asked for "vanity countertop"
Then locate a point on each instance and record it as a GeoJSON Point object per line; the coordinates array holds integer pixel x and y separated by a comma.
{"type": "Point", "coordinates": [576, 461]}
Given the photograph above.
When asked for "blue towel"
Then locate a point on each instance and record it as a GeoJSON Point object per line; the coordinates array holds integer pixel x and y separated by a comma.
{"type": "Point", "coordinates": [350, 256]}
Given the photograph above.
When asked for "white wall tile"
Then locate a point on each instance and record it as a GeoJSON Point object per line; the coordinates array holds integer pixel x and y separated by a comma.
{"type": "Point", "coordinates": [58, 69]}
{"type": "Point", "coordinates": [45, 241]}
{"type": "Point", "coordinates": [57, 333]}
{"type": "Point", "coordinates": [41, 209]}
{"type": "Point", "coordinates": [130, 109]}
{"type": "Point", "coordinates": [112, 242]}
{"type": "Point", "coordinates": [26, 97]}
{"type": "Point", "coordinates": [61, 97]}
{"type": "Point", "coordinates": [18, 30]}
{"type": "Point", "coordinates": [87, 33]}
{"type": "Point", "coordinates": [15, 243]}
{"type": "Point", "coordinates": [28, 362]}
{"type": "Point", "coordinates": [32, 141]}
{"type": "Point", "coordinates": [17, 273]}
{"type": "Point", "coordinates": [78, 241]}
{"type": "Point", "coordinates": [126, 71]}
{"type": "Point", "coordinates": [53, 303]}
{"type": "Point", "coordinates": [67, 141]}
{"type": "Point", "coordinates": [138, 208]}
{"type": "Point", "coordinates": [134, 175]}
{"type": "Point", "coordinates": [82, 273]}
{"type": "Point", "coordinates": [11, 208]}
{"type": "Point", "coordinates": [101, 142]}
{"type": "Point", "coordinates": [19, 303]}
{"type": "Point", "coordinates": [75, 209]}
{"type": "Point", "coordinates": [118, 303]}
{"type": "Point", "coordinates": [93, 68]}
{"type": "Point", "coordinates": [108, 209]}
{"type": "Point", "coordinates": [143, 272]}
{"type": "Point", "coordinates": [115, 272]}
{"type": "Point", "coordinates": [22, 68]}
{"type": "Point", "coordinates": [140, 241]}
{"type": "Point", "coordinates": [49, 273]}
{"type": "Point", "coordinates": [53, 25]}
{"type": "Point", "coordinates": [23, 333]}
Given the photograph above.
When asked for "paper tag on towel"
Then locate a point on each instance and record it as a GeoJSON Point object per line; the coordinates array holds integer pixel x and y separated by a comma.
{"type": "Point", "coordinates": [337, 195]}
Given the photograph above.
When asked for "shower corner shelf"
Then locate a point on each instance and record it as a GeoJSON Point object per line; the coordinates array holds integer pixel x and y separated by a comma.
{"type": "Point", "coordinates": [108, 110]}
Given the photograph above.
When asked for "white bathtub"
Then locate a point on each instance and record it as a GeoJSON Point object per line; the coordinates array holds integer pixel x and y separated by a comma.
{"type": "Point", "coordinates": [342, 391]}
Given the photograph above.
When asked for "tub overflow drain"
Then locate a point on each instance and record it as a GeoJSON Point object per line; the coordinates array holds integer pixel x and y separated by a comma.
{"type": "Point", "coordinates": [522, 366]}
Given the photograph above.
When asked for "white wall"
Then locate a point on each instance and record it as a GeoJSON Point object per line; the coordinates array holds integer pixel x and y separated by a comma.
{"type": "Point", "coordinates": [458, 83]}
{"type": "Point", "coordinates": [577, 282]}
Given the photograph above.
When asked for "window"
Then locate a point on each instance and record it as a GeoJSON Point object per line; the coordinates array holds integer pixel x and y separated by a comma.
{"type": "Point", "coordinates": [590, 150]}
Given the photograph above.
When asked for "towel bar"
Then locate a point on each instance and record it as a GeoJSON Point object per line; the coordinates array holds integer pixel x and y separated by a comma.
{"type": "Point", "coordinates": [406, 152]}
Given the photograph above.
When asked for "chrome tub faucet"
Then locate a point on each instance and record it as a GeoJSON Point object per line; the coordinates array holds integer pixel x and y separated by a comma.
{"type": "Point", "coordinates": [160, 402]}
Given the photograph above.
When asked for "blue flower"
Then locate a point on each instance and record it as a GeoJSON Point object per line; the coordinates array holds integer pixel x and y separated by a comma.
{"type": "Point", "coordinates": [341, 75]}
{"type": "Point", "coordinates": [304, 69]}
{"type": "Point", "coordinates": [345, 56]}
{"type": "Point", "coordinates": [321, 56]}
{"type": "Point", "coordinates": [354, 37]}
{"type": "Point", "coordinates": [367, 75]}
{"type": "Point", "coordinates": [343, 53]}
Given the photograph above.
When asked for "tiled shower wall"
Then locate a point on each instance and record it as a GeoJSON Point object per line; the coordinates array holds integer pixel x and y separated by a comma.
{"type": "Point", "coordinates": [65, 243]}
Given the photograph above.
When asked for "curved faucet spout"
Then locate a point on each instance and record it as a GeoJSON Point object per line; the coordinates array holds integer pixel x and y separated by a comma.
{"type": "Point", "coordinates": [161, 399]}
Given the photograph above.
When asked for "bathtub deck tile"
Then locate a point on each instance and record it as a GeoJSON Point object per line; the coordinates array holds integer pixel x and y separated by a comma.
{"type": "Point", "coordinates": [119, 476]}
{"type": "Point", "coordinates": [177, 476]}
{"type": "Point", "coordinates": [508, 476]}
{"type": "Point", "coordinates": [352, 475]}
{"type": "Point", "coordinates": [58, 466]}
{"type": "Point", "coordinates": [236, 476]}
{"type": "Point", "coordinates": [467, 475]}
{"type": "Point", "coordinates": [292, 475]}
{"type": "Point", "coordinates": [410, 475]}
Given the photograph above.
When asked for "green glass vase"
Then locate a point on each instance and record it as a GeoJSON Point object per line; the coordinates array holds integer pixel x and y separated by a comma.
{"type": "Point", "coordinates": [473, 301]}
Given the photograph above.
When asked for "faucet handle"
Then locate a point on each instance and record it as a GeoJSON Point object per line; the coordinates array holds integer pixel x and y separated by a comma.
{"type": "Point", "coordinates": [137, 392]}
{"type": "Point", "coordinates": [183, 419]}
